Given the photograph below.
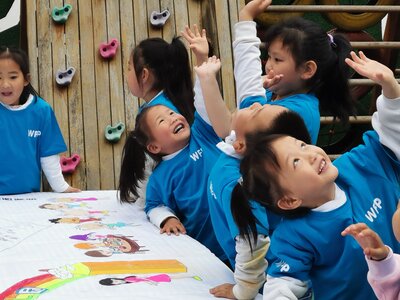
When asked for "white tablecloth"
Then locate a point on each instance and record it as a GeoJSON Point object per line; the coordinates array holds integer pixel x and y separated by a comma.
{"type": "Point", "coordinates": [47, 259]}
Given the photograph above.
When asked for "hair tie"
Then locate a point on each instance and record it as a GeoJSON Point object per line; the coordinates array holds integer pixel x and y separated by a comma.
{"type": "Point", "coordinates": [240, 180]}
{"type": "Point", "coordinates": [331, 41]}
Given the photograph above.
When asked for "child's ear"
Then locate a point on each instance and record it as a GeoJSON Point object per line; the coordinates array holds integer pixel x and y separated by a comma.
{"type": "Point", "coordinates": [309, 69]}
{"type": "Point", "coordinates": [288, 203]}
{"type": "Point", "coordinates": [145, 75]}
{"type": "Point", "coordinates": [239, 146]}
{"type": "Point", "coordinates": [27, 79]}
{"type": "Point", "coordinates": [153, 148]}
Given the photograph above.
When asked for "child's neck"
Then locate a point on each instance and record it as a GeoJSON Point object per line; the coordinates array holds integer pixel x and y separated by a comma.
{"type": "Point", "coordinates": [276, 97]}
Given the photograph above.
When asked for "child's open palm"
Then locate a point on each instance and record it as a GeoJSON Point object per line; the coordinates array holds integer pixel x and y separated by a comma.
{"type": "Point", "coordinates": [208, 68]}
{"type": "Point", "coordinates": [368, 239]}
{"type": "Point", "coordinates": [375, 71]}
{"type": "Point", "coordinates": [197, 42]}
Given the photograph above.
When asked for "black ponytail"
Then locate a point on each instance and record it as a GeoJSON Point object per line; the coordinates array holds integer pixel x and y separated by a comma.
{"type": "Point", "coordinates": [243, 215]}
{"type": "Point", "coordinates": [134, 158]}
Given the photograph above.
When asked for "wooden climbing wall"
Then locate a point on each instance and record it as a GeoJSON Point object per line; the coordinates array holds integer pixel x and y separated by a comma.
{"type": "Point", "coordinates": [98, 95]}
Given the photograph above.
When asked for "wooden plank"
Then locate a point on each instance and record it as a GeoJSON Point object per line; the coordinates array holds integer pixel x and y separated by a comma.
{"type": "Point", "coordinates": [168, 30]}
{"type": "Point", "coordinates": [181, 18]}
{"type": "Point", "coordinates": [60, 99]}
{"type": "Point", "coordinates": [140, 25]}
{"type": "Point", "coordinates": [88, 51]}
{"type": "Point", "coordinates": [74, 94]}
{"type": "Point", "coordinates": [153, 5]}
{"type": "Point", "coordinates": [116, 84]}
{"type": "Point", "coordinates": [194, 17]}
{"type": "Point", "coordinates": [140, 19]}
{"type": "Point", "coordinates": [222, 18]}
{"type": "Point", "coordinates": [45, 69]}
{"type": "Point", "coordinates": [32, 42]}
{"type": "Point", "coordinates": [100, 23]}
{"type": "Point", "coordinates": [127, 45]}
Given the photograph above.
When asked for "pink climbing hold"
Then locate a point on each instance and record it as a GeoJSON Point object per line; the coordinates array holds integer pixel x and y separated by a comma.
{"type": "Point", "coordinates": [108, 50]}
{"type": "Point", "coordinates": [69, 164]}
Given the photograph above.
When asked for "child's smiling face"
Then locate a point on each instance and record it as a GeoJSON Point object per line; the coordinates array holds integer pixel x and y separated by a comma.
{"type": "Point", "coordinates": [169, 131]}
{"type": "Point", "coordinates": [306, 172]}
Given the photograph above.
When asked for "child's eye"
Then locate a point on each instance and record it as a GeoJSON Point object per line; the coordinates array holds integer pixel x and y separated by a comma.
{"type": "Point", "coordinates": [160, 121]}
{"type": "Point", "coordinates": [171, 113]}
{"type": "Point", "coordinates": [295, 162]}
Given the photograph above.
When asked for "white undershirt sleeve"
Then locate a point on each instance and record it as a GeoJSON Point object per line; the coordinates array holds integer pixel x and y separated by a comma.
{"type": "Point", "coordinates": [250, 267]}
{"type": "Point", "coordinates": [279, 288]}
{"type": "Point", "coordinates": [52, 170]}
{"type": "Point", "coordinates": [386, 122]}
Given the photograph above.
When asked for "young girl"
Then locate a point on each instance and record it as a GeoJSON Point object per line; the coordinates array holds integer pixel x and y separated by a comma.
{"type": "Point", "coordinates": [295, 79]}
{"type": "Point", "coordinates": [176, 194]}
{"type": "Point", "coordinates": [322, 199]}
{"type": "Point", "coordinates": [29, 133]}
{"type": "Point", "coordinates": [159, 73]}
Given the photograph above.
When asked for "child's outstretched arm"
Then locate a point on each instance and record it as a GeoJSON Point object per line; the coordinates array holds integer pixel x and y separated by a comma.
{"type": "Point", "coordinates": [369, 241]}
{"type": "Point", "coordinates": [246, 51]}
{"type": "Point", "coordinates": [386, 121]}
{"type": "Point", "coordinates": [217, 111]}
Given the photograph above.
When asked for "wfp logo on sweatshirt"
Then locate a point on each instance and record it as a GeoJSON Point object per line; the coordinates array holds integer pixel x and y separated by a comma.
{"type": "Point", "coordinates": [34, 133]}
{"type": "Point", "coordinates": [197, 154]}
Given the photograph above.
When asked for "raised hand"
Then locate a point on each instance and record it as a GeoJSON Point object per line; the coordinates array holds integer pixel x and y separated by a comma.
{"type": "Point", "coordinates": [209, 67]}
{"type": "Point", "coordinates": [375, 71]}
{"type": "Point", "coordinates": [252, 9]}
{"type": "Point", "coordinates": [369, 241]}
{"type": "Point", "coordinates": [197, 42]}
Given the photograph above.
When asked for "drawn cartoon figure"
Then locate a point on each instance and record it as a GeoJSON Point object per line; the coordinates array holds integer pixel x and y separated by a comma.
{"type": "Point", "coordinates": [99, 225]}
{"type": "Point", "coordinates": [111, 244]}
{"type": "Point", "coordinates": [70, 209]}
{"type": "Point", "coordinates": [73, 220]}
{"type": "Point", "coordinates": [91, 236]}
{"type": "Point", "coordinates": [69, 199]}
{"type": "Point", "coordinates": [154, 280]}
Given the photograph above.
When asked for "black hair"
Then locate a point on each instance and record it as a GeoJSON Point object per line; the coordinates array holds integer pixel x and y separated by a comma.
{"type": "Point", "coordinates": [254, 184]}
{"type": "Point", "coordinates": [306, 41]}
{"type": "Point", "coordinates": [21, 59]}
{"type": "Point", "coordinates": [170, 65]}
{"type": "Point", "coordinates": [134, 158]}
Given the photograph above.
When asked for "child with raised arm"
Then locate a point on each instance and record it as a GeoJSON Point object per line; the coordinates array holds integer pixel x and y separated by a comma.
{"type": "Point", "coordinates": [320, 199]}
{"type": "Point", "coordinates": [30, 136]}
{"type": "Point", "coordinates": [176, 193]}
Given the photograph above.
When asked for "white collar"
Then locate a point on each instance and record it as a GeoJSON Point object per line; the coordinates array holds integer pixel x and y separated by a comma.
{"type": "Point", "coordinates": [339, 200]}
{"type": "Point", "coordinates": [172, 155]}
{"type": "Point", "coordinates": [19, 107]}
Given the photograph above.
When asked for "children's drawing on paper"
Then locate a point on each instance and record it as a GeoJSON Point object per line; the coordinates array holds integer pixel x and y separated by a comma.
{"type": "Point", "coordinates": [72, 220]}
{"type": "Point", "coordinates": [32, 288]}
{"type": "Point", "coordinates": [110, 245]}
{"type": "Point", "coordinates": [73, 209]}
{"type": "Point", "coordinates": [100, 225]}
